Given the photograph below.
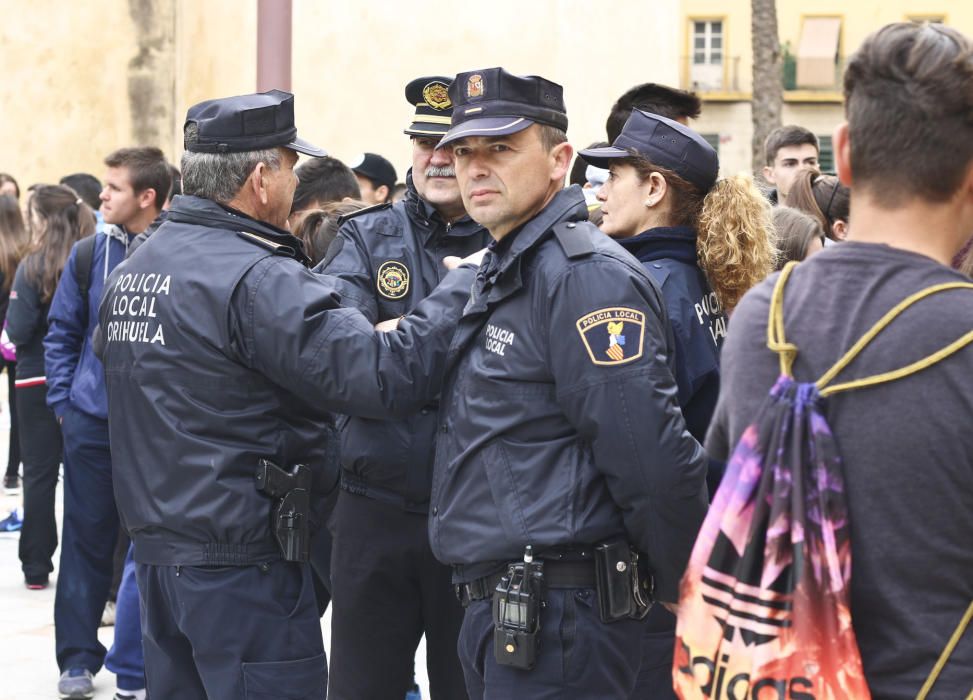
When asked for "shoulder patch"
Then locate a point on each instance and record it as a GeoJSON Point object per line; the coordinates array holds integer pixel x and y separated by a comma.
{"type": "Point", "coordinates": [375, 207]}
{"type": "Point", "coordinates": [613, 336]}
{"type": "Point", "coordinates": [392, 279]}
{"type": "Point", "coordinates": [574, 239]}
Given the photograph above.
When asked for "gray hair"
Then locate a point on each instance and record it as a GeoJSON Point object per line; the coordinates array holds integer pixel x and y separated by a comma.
{"type": "Point", "coordinates": [219, 176]}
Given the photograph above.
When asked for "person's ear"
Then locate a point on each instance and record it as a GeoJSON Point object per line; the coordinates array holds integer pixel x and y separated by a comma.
{"type": "Point", "coordinates": [561, 156]}
{"type": "Point", "coordinates": [839, 230]}
{"type": "Point", "coordinates": [258, 183]}
{"type": "Point", "coordinates": [382, 193]}
{"type": "Point", "coordinates": [769, 175]}
{"type": "Point", "coordinates": [657, 189]}
{"type": "Point", "coordinates": [146, 198]}
{"type": "Point", "coordinates": [842, 153]}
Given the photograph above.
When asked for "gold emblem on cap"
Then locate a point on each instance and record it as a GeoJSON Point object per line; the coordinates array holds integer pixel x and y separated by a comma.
{"type": "Point", "coordinates": [393, 280]}
{"type": "Point", "coordinates": [474, 86]}
{"type": "Point", "coordinates": [436, 96]}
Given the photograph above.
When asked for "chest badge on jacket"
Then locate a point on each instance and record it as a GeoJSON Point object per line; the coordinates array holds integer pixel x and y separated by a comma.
{"type": "Point", "coordinates": [393, 279]}
{"type": "Point", "coordinates": [613, 336]}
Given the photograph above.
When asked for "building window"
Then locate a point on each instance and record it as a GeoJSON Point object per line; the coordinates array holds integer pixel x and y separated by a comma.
{"type": "Point", "coordinates": [817, 53]}
{"type": "Point", "coordinates": [707, 54]}
{"type": "Point", "coordinates": [713, 140]}
{"type": "Point", "coordinates": [825, 154]}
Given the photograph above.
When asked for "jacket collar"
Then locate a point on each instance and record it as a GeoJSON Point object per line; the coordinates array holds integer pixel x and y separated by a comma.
{"type": "Point", "coordinates": [672, 242]}
{"type": "Point", "coordinates": [567, 205]}
{"type": "Point", "coordinates": [427, 219]}
{"type": "Point", "coordinates": [198, 211]}
{"type": "Point", "coordinates": [500, 274]}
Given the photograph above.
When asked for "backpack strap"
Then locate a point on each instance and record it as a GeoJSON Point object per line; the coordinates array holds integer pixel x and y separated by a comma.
{"type": "Point", "coordinates": [944, 657]}
{"type": "Point", "coordinates": [775, 324]}
{"type": "Point", "coordinates": [881, 325]}
{"type": "Point", "coordinates": [82, 270]}
{"type": "Point", "coordinates": [787, 352]}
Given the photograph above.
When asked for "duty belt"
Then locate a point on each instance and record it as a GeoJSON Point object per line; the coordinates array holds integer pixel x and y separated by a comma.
{"type": "Point", "coordinates": [557, 574]}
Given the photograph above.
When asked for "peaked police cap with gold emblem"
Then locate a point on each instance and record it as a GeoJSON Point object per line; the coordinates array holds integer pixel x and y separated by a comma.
{"type": "Point", "coordinates": [493, 102]}
{"type": "Point", "coordinates": [434, 108]}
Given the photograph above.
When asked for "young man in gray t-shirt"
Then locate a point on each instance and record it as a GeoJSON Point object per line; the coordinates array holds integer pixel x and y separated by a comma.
{"type": "Point", "coordinates": [907, 448]}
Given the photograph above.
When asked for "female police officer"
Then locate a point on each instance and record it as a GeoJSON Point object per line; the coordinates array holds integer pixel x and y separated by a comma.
{"type": "Point", "coordinates": [705, 243]}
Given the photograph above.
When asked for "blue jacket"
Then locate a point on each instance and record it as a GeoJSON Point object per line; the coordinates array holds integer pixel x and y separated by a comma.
{"type": "Point", "coordinates": [74, 373]}
{"type": "Point", "coordinates": [559, 420]}
{"type": "Point", "coordinates": [392, 460]}
{"type": "Point", "coordinates": [221, 348]}
{"type": "Point", "coordinates": [697, 319]}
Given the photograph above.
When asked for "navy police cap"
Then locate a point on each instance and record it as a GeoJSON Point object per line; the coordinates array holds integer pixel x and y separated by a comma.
{"type": "Point", "coordinates": [434, 108]}
{"type": "Point", "coordinates": [662, 142]}
{"type": "Point", "coordinates": [245, 123]}
{"type": "Point", "coordinates": [493, 102]}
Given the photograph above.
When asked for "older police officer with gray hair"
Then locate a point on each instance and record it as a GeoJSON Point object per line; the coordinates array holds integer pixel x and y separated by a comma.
{"type": "Point", "coordinates": [223, 352]}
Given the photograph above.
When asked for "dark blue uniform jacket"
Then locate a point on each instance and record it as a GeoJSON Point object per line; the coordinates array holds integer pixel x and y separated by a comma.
{"type": "Point", "coordinates": [697, 319]}
{"type": "Point", "coordinates": [220, 347]}
{"type": "Point", "coordinates": [559, 418]}
{"type": "Point", "coordinates": [392, 255]}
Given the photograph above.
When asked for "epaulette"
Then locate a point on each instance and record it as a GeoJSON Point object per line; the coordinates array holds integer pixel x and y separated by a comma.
{"type": "Point", "coordinates": [351, 215]}
{"type": "Point", "coordinates": [573, 239]}
{"type": "Point", "coordinates": [274, 247]}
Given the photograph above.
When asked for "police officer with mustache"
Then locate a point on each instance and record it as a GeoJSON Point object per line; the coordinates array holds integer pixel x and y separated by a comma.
{"type": "Point", "coordinates": [387, 588]}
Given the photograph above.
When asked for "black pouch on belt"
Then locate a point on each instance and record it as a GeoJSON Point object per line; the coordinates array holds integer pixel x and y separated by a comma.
{"type": "Point", "coordinates": [516, 614]}
{"type": "Point", "coordinates": [622, 594]}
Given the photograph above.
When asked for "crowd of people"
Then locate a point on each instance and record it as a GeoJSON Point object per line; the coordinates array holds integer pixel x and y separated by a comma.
{"type": "Point", "coordinates": [441, 406]}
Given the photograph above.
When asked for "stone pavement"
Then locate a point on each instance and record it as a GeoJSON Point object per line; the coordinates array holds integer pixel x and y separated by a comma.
{"type": "Point", "coordinates": [28, 670]}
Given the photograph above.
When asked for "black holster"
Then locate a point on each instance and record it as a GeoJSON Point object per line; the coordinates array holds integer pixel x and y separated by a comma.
{"type": "Point", "coordinates": [624, 592]}
{"type": "Point", "coordinates": [290, 514]}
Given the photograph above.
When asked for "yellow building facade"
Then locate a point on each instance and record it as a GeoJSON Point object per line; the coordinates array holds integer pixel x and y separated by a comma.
{"type": "Point", "coordinates": [816, 38]}
{"type": "Point", "coordinates": [81, 79]}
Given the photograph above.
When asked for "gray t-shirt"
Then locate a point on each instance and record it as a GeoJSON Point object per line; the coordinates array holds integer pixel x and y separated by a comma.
{"type": "Point", "coordinates": [907, 446]}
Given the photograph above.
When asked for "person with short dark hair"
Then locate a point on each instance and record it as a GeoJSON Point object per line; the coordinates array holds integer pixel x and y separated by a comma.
{"type": "Point", "coordinates": [906, 451]}
{"type": "Point", "coordinates": [787, 150]}
{"type": "Point", "coordinates": [388, 589]}
{"type": "Point", "coordinates": [668, 102]}
{"type": "Point", "coordinates": [321, 181]}
{"type": "Point", "coordinates": [88, 188]}
{"type": "Point", "coordinates": [137, 182]}
{"type": "Point", "coordinates": [224, 357]}
{"type": "Point", "coordinates": [560, 431]}
{"type": "Point", "coordinates": [824, 198]}
{"type": "Point", "coordinates": [799, 235]}
{"type": "Point", "coordinates": [376, 177]}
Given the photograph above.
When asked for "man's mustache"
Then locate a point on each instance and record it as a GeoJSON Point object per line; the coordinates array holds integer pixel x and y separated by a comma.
{"type": "Point", "coordinates": [440, 171]}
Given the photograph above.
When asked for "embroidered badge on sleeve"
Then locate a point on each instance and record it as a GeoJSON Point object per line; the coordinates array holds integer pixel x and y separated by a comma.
{"type": "Point", "coordinates": [613, 336]}
{"type": "Point", "coordinates": [393, 280]}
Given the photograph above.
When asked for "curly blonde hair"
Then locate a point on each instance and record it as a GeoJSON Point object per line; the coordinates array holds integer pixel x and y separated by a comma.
{"type": "Point", "coordinates": [735, 242]}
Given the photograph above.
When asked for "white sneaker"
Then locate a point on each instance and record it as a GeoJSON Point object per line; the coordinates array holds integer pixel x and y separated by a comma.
{"type": "Point", "coordinates": [129, 694]}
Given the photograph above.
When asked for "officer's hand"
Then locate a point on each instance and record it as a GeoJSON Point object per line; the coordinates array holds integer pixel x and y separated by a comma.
{"type": "Point", "coordinates": [672, 607]}
{"type": "Point", "coordinates": [388, 325]}
{"type": "Point", "coordinates": [452, 262]}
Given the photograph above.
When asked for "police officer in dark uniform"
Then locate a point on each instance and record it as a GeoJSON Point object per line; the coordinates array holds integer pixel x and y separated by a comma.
{"type": "Point", "coordinates": [563, 464]}
{"type": "Point", "coordinates": [644, 218]}
{"type": "Point", "coordinates": [388, 589]}
{"type": "Point", "coordinates": [223, 352]}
